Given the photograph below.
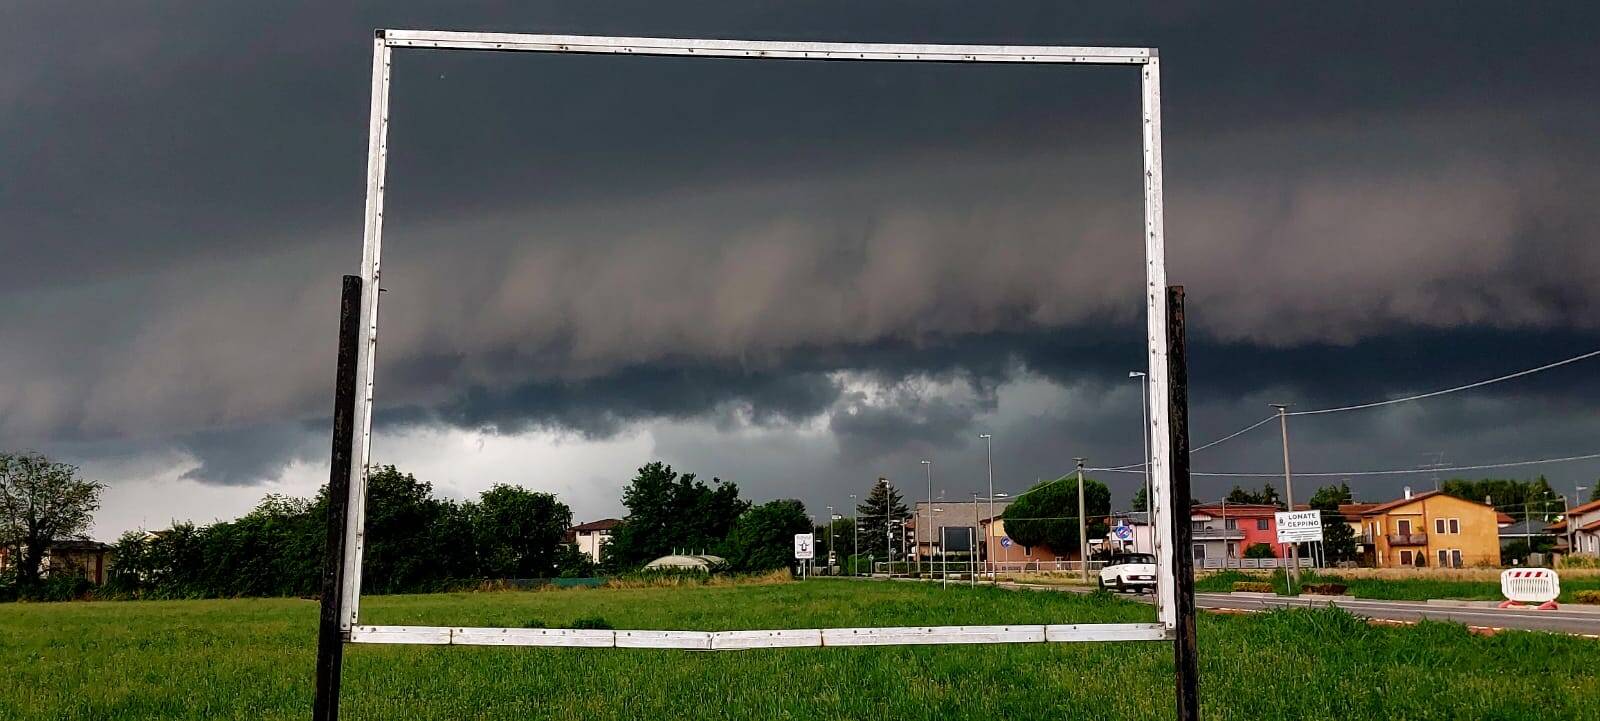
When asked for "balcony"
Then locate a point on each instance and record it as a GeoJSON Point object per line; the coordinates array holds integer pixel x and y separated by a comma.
{"type": "Point", "coordinates": [1217, 534]}
{"type": "Point", "coordinates": [1408, 539]}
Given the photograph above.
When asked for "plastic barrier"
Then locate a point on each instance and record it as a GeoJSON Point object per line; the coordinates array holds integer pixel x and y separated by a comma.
{"type": "Point", "coordinates": [1530, 585]}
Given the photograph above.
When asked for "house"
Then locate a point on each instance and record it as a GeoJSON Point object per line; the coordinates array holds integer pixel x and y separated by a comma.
{"type": "Point", "coordinates": [591, 537]}
{"type": "Point", "coordinates": [1581, 528]}
{"type": "Point", "coordinates": [1531, 531]}
{"type": "Point", "coordinates": [1431, 529]}
{"type": "Point", "coordinates": [71, 556]}
{"type": "Point", "coordinates": [1225, 530]}
{"type": "Point", "coordinates": [960, 519]}
{"type": "Point", "coordinates": [1138, 523]}
{"type": "Point", "coordinates": [1011, 555]}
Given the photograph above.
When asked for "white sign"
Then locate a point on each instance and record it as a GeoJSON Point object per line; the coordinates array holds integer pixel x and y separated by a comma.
{"type": "Point", "coordinates": [1299, 526]}
{"type": "Point", "coordinates": [803, 550]}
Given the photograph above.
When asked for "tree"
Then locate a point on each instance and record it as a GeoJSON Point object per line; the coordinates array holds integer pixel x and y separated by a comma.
{"type": "Point", "coordinates": [668, 512]}
{"type": "Point", "coordinates": [1258, 550]}
{"type": "Point", "coordinates": [414, 542]}
{"type": "Point", "coordinates": [519, 533]}
{"type": "Point", "coordinates": [1338, 538]}
{"type": "Point", "coordinates": [1140, 500]}
{"type": "Point", "coordinates": [1509, 495]}
{"type": "Point", "coordinates": [1268, 496]}
{"type": "Point", "coordinates": [882, 504]}
{"type": "Point", "coordinates": [1047, 514]}
{"type": "Point", "coordinates": [763, 538]}
{"type": "Point", "coordinates": [41, 501]}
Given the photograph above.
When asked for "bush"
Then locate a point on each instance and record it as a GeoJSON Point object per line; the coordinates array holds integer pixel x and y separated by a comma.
{"type": "Point", "coordinates": [1253, 587]}
{"type": "Point", "coordinates": [63, 587]}
{"type": "Point", "coordinates": [1324, 589]}
{"type": "Point", "coordinates": [1581, 560]}
{"type": "Point", "coordinates": [1258, 550]}
{"type": "Point", "coordinates": [1587, 596]}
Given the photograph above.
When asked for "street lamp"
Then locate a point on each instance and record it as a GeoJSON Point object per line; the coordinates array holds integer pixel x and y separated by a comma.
{"type": "Point", "coordinates": [1144, 435]}
{"type": "Point", "coordinates": [988, 442]}
{"type": "Point", "coordinates": [855, 536]}
{"type": "Point", "coordinates": [831, 548]}
{"type": "Point", "coordinates": [921, 530]}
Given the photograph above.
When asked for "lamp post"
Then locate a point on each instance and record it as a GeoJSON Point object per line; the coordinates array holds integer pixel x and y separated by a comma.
{"type": "Point", "coordinates": [831, 544]}
{"type": "Point", "coordinates": [920, 529]}
{"type": "Point", "coordinates": [855, 536]}
{"type": "Point", "coordinates": [988, 444]}
{"type": "Point", "coordinates": [888, 530]}
{"type": "Point", "coordinates": [1144, 407]}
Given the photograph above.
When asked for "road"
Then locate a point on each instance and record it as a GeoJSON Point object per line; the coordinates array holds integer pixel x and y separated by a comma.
{"type": "Point", "coordinates": [1585, 623]}
{"type": "Point", "coordinates": [1560, 621]}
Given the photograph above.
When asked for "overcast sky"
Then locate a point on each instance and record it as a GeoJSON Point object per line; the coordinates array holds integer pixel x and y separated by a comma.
{"type": "Point", "coordinates": [796, 276]}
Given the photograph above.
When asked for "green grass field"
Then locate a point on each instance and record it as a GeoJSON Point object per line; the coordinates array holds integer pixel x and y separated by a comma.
{"type": "Point", "coordinates": [1420, 588]}
{"type": "Point", "coordinates": [252, 659]}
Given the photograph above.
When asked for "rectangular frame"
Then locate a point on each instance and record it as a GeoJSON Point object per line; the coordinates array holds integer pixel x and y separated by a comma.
{"type": "Point", "coordinates": [1149, 63]}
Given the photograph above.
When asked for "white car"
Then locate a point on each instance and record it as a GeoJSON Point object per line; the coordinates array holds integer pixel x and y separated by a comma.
{"type": "Point", "coordinates": [1129, 572]}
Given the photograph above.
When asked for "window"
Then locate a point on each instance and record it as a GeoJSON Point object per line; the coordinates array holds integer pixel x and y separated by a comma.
{"type": "Point", "coordinates": [1403, 527]}
{"type": "Point", "coordinates": [1443, 562]}
{"type": "Point", "coordinates": [1197, 525]}
{"type": "Point", "coordinates": [1261, 524]}
{"type": "Point", "coordinates": [1455, 557]}
{"type": "Point", "coordinates": [1199, 552]}
{"type": "Point", "coordinates": [1455, 525]}
{"type": "Point", "coordinates": [1233, 550]}
{"type": "Point", "coordinates": [1405, 558]}
{"type": "Point", "coordinates": [1438, 527]}
{"type": "Point", "coordinates": [1232, 524]}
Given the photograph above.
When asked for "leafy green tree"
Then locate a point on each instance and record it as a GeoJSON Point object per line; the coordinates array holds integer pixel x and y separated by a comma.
{"type": "Point", "coordinates": [1594, 491]}
{"type": "Point", "coordinates": [763, 538]}
{"type": "Point", "coordinates": [668, 512]}
{"type": "Point", "coordinates": [837, 537]}
{"type": "Point", "coordinates": [1141, 502]}
{"type": "Point", "coordinates": [1338, 538]}
{"type": "Point", "coordinates": [41, 501]}
{"type": "Point", "coordinates": [1509, 495]}
{"type": "Point", "coordinates": [414, 541]}
{"type": "Point", "coordinates": [882, 504]}
{"type": "Point", "coordinates": [1267, 496]}
{"type": "Point", "coordinates": [1047, 514]}
{"type": "Point", "coordinates": [1258, 550]}
{"type": "Point", "coordinates": [519, 533]}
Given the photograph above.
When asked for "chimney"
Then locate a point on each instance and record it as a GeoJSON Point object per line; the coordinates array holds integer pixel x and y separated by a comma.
{"type": "Point", "coordinates": [1408, 492]}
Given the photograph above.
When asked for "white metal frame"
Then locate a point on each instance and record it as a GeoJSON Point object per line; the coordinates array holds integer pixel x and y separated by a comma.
{"type": "Point", "coordinates": [1149, 65]}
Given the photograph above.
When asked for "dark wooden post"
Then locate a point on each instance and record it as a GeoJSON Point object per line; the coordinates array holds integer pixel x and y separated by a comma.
{"type": "Point", "coordinates": [1185, 651]}
{"type": "Point", "coordinates": [330, 640]}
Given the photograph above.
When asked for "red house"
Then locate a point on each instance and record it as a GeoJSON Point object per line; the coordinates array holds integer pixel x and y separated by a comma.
{"type": "Point", "coordinates": [1225, 530]}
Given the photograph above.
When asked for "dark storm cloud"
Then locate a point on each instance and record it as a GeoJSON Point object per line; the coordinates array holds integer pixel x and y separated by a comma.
{"type": "Point", "coordinates": [1361, 202]}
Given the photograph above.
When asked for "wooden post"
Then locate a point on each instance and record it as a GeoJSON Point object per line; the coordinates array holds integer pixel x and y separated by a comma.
{"type": "Point", "coordinates": [1186, 656]}
{"type": "Point", "coordinates": [330, 638]}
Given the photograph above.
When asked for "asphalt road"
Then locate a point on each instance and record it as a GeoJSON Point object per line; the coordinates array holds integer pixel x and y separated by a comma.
{"type": "Point", "coordinates": [1586, 623]}
{"type": "Point", "coordinates": [1560, 621]}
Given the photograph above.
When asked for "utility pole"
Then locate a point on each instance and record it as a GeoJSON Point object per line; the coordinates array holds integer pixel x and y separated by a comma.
{"type": "Point", "coordinates": [1288, 488]}
{"type": "Point", "coordinates": [1083, 533]}
{"type": "Point", "coordinates": [972, 578]}
{"type": "Point", "coordinates": [988, 441]}
{"type": "Point", "coordinates": [923, 531]}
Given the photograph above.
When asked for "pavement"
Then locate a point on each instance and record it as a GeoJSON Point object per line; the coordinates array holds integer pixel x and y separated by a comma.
{"type": "Point", "coordinates": [1570, 619]}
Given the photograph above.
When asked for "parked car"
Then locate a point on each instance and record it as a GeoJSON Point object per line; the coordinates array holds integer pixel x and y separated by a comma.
{"type": "Point", "coordinates": [1134, 572]}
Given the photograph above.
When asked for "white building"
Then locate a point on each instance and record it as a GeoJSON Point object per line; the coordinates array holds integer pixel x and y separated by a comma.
{"type": "Point", "coordinates": [1582, 526]}
{"type": "Point", "coordinates": [591, 537]}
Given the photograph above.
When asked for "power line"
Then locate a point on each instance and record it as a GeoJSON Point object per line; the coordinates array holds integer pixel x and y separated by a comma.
{"type": "Point", "coordinates": [1456, 389]}
{"type": "Point", "coordinates": [1397, 471]}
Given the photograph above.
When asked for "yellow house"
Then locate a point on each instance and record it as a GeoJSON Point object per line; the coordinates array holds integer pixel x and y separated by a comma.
{"type": "Point", "coordinates": [1432, 530]}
